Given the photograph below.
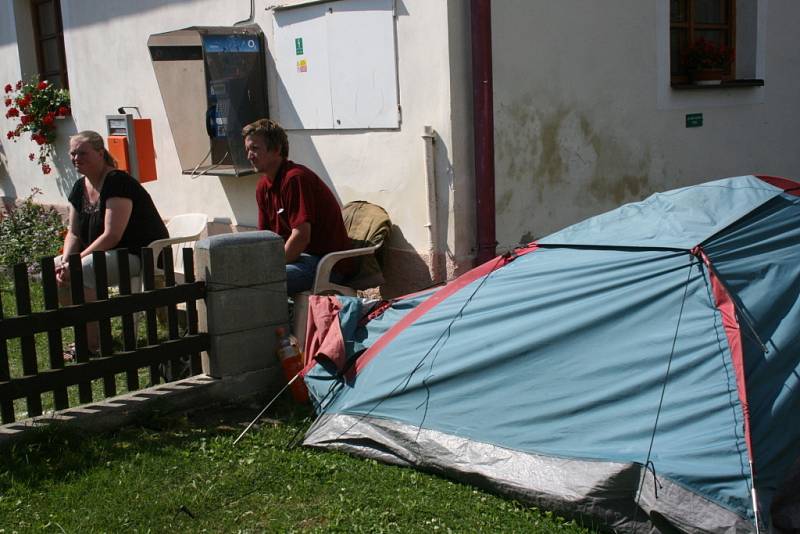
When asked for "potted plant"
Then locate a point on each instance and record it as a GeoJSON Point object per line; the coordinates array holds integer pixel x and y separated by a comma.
{"type": "Point", "coordinates": [36, 104]}
{"type": "Point", "coordinates": [707, 62]}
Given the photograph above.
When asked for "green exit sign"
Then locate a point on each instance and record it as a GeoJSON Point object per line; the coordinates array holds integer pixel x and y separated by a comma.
{"type": "Point", "coordinates": [694, 120]}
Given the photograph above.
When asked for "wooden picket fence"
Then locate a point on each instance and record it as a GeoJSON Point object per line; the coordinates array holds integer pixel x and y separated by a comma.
{"type": "Point", "coordinates": [175, 354]}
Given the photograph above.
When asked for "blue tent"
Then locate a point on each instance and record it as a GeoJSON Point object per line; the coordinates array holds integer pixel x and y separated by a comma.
{"type": "Point", "coordinates": [639, 369]}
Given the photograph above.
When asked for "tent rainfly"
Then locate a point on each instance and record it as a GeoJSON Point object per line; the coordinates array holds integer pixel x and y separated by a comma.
{"type": "Point", "coordinates": [640, 369]}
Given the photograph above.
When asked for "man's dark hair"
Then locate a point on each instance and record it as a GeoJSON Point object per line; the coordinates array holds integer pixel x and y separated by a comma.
{"type": "Point", "coordinates": [273, 134]}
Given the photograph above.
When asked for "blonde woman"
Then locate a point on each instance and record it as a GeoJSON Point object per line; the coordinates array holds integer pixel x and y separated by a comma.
{"type": "Point", "coordinates": [108, 209]}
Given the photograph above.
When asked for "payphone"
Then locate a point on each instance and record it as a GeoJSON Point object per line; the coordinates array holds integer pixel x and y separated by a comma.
{"type": "Point", "coordinates": [213, 83]}
{"type": "Point", "coordinates": [130, 142]}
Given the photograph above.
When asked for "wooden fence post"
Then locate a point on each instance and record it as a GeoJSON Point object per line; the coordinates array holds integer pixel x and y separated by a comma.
{"type": "Point", "coordinates": [6, 406]}
{"type": "Point", "coordinates": [22, 292]}
{"type": "Point", "coordinates": [54, 344]}
{"type": "Point", "coordinates": [81, 350]}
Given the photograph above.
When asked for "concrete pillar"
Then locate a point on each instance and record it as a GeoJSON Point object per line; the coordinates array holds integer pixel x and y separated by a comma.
{"type": "Point", "coordinates": [245, 277]}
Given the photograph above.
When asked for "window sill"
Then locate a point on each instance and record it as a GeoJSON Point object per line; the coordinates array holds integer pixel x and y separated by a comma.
{"type": "Point", "coordinates": [728, 84]}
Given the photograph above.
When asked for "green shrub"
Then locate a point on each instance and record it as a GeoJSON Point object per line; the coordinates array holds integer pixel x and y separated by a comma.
{"type": "Point", "coordinates": [29, 233]}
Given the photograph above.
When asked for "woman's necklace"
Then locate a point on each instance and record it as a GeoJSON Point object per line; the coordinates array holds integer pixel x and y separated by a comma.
{"type": "Point", "coordinates": [90, 207]}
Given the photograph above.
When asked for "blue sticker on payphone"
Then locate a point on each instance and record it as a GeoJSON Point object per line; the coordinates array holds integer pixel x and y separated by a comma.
{"type": "Point", "coordinates": [230, 43]}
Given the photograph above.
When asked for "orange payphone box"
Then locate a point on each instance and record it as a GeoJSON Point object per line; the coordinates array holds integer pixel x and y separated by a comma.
{"type": "Point", "coordinates": [130, 142]}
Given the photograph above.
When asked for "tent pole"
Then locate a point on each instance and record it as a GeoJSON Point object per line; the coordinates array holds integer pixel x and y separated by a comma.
{"type": "Point", "coordinates": [755, 499]}
{"type": "Point", "coordinates": [270, 403]}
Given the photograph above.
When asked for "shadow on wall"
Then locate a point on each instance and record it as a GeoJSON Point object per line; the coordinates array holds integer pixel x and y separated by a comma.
{"type": "Point", "coordinates": [405, 269]}
{"type": "Point", "coordinates": [8, 193]}
{"type": "Point", "coordinates": [65, 174]}
{"type": "Point", "coordinates": [88, 17]}
{"type": "Point", "coordinates": [240, 192]}
{"type": "Point", "coordinates": [443, 185]}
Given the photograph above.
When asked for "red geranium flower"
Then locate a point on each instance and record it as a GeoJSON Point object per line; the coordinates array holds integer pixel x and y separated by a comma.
{"type": "Point", "coordinates": [37, 104]}
{"type": "Point", "coordinates": [24, 101]}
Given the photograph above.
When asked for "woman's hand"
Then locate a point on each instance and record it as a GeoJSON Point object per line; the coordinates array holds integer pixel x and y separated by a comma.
{"type": "Point", "coordinates": [62, 272]}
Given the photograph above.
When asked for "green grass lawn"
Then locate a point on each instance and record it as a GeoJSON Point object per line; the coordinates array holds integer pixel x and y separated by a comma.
{"type": "Point", "coordinates": [183, 474]}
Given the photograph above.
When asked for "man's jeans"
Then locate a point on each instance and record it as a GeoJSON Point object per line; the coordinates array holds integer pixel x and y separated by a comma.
{"type": "Point", "coordinates": [300, 274]}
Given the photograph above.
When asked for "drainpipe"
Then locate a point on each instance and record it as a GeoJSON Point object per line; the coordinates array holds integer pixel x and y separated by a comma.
{"type": "Point", "coordinates": [483, 127]}
{"type": "Point", "coordinates": [252, 18]}
{"type": "Point", "coordinates": [434, 245]}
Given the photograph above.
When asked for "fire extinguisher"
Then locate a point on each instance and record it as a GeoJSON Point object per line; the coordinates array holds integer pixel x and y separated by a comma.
{"type": "Point", "coordinates": [291, 360]}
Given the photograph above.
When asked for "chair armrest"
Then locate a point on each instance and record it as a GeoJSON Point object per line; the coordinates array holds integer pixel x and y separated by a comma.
{"type": "Point", "coordinates": [161, 244]}
{"type": "Point", "coordinates": [326, 264]}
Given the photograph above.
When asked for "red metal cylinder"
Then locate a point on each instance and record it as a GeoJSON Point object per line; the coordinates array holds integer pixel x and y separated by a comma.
{"type": "Point", "coordinates": [483, 128]}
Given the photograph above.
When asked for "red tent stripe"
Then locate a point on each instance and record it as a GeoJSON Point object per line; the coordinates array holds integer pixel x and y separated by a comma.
{"type": "Point", "coordinates": [727, 309]}
{"type": "Point", "coordinates": [456, 285]}
{"type": "Point", "coordinates": [789, 186]}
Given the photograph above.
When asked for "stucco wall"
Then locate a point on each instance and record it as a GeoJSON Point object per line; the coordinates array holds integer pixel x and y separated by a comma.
{"type": "Point", "coordinates": [109, 66]}
{"type": "Point", "coordinates": [585, 118]}
{"type": "Point", "coordinates": [584, 115]}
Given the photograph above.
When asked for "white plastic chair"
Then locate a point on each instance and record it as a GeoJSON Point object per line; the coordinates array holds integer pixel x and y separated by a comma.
{"type": "Point", "coordinates": [365, 279]}
{"type": "Point", "coordinates": [323, 286]}
{"type": "Point", "coordinates": [184, 228]}
{"type": "Point", "coordinates": [322, 280]}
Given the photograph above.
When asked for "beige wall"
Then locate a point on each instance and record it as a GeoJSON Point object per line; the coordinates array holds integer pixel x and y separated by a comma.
{"type": "Point", "coordinates": [584, 115]}
{"type": "Point", "coordinates": [585, 118]}
{"type": "Point", "coordinates": [109, 66]}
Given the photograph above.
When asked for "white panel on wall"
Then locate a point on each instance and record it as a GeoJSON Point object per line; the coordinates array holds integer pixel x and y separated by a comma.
{"type": "Point", "coordinates": [336, 65]}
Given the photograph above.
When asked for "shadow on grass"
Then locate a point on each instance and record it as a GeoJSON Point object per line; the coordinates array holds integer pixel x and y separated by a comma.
{"type": "Point", "coordinates": [59, 450]}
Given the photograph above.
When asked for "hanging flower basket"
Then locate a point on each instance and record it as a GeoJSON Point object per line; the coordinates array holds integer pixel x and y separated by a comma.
{"type": "Point", "coordinates": [36, 105]}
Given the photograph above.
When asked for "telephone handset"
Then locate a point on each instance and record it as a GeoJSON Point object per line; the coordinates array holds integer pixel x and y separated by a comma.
{"type": "Point", "coordinates": [211, 114]}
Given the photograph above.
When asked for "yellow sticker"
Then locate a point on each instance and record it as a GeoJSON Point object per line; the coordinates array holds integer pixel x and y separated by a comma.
{"type": "Point", "coordinates": [302, 66]}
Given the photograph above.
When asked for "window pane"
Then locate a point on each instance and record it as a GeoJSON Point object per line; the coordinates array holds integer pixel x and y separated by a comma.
{"type": "Point", "coordinates": [47, 18]}
{"type": "Point", "coordinates": [713, 36]}
{"type": "Point", "coordinates": [55, 79]}
{"type": "Point", "coordinates": [677, 10]}
{"type": "Point", "coordinates": [677, 44]}
{"type": "Point", "coordinates": [50, 57]}
{"type": "Point", "coordinates": [709, 11]}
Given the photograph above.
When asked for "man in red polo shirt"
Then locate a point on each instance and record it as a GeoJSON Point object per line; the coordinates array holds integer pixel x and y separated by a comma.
{"type": "Point", "coordinates": [296, 204]}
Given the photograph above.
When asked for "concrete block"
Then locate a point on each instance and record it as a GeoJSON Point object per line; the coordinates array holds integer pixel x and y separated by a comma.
{"type": "Point", "coordinates": [262, 384]}
{"type": "Point", "coordinates": [240, 260]}
{"type": "Point", "coordinates": [115, 412]}
{"type": "Point", "coordinates": [240, 352]}
{"type": "Point", "coordinates": [235, 310]}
